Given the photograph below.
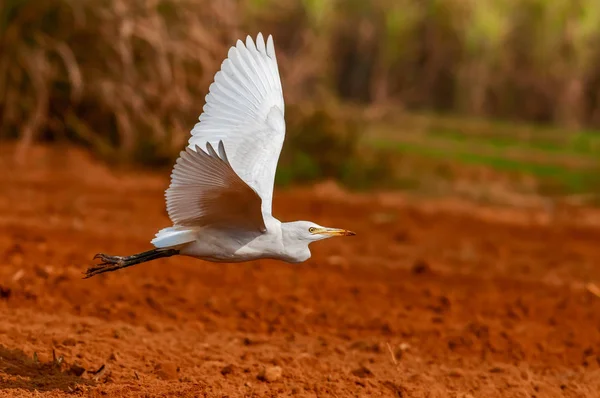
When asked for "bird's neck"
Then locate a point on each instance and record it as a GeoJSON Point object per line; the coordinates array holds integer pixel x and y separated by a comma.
{"type": "Point", "coordinates": [295, 250]}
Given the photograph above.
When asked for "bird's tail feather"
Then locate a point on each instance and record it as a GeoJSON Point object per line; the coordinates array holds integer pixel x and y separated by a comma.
{"type": "Point", "coordinates": [173, 237]}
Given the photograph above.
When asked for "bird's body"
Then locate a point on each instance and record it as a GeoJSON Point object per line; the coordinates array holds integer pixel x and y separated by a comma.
{"type": "Point", "coordinates": [219, 245]}
{"type": "Point", "coordinates": [220, 197]}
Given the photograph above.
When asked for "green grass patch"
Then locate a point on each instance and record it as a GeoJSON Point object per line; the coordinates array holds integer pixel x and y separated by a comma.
{"type": "Point", "coordinates": [581, 143]}
{"type": "Point", "coordinates": [559, 177]}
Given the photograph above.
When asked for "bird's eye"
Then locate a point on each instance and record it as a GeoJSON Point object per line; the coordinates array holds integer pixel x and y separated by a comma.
{"type": "Point", "coordinates": [312, 229]}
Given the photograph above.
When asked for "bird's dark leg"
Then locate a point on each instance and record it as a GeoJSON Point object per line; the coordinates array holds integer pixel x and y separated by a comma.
{"type": "Point", "coordinates": [113, 263]}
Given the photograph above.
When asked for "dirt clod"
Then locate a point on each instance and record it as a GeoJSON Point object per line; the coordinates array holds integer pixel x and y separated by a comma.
{"type": "Point", "coordinates": [420, 267]}
{"type": "Point", "coordinates": [362, 372]}
{"type": "Point", "coordinates": [69, 342]}
{"type": "Point", "coordinates": [5, 292]}
{"type": "Point", "coordinates": [270, 374]}
{"type": "Point", "coordinates": [166, 371]}
{"type": "Point", "coordinates": [227, 370]}
{"type": "Point", "coordinates": [76, 370]}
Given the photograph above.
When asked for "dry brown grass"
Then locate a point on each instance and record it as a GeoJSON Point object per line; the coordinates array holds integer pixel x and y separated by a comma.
{"type": "Point", "coordinates": [123, 74]}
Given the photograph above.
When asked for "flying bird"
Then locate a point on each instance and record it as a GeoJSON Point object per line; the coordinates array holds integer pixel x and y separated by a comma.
{"type": "Point", "coordinates": [221, 188]}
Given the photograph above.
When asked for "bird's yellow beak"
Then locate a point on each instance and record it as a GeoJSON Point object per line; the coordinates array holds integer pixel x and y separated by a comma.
{"type": "Point", "coordinates": [334, 232]}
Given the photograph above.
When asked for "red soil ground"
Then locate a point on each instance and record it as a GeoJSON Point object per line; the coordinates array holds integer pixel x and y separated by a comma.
{"type": "Point", "coordinates": [428, 300]}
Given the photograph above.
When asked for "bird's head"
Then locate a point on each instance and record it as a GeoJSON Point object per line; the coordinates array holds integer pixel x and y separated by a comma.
{"type": "Point", "coordinates": [310, 232]}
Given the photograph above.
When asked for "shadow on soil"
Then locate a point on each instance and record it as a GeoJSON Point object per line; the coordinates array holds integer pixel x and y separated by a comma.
{"type": "Point", "coordinates": [17, 370]}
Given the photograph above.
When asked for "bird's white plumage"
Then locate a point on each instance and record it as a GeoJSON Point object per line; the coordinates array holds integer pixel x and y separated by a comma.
{"type": "Point", "coordinates": [220, 200]}
{"type": "Point", "coordinates": [245, 110]}
{"type": "Point", "coordinates": [205, 191]}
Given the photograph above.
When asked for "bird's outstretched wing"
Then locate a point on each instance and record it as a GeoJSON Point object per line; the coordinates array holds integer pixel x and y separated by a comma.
{"type": "Point", "coordinates": [205, 191]}
{"type": "Point", "coordinates": [245, 110]}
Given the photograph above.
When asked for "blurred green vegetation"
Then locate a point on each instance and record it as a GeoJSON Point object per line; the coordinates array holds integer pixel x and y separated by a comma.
{"type": "Point", "coordinates": [127, 78]}
{"type": "Point", "coordinates": [323, 143]}
{"type": "Point", "coordinates": [562, 162]}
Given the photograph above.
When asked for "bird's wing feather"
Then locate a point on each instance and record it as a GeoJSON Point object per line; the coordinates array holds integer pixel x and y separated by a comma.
{"type": "Point", "coordinates": [205, 191]}
{"type": "Point", "coordinates": [245, 110]}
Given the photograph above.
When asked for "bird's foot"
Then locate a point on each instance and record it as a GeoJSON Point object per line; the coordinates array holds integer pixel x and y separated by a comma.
{"type": "Point", "coordinates": [106, 259]}
{"type": "Point", "coordinates": [113, 263]}
{"type": "Point", "coordinates": [108, 263]}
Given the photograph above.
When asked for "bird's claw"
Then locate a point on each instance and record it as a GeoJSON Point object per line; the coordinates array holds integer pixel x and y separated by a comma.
{"type": "Point", "coordinates": [106, 259]}
{"type": "Point", "coordinates": [108, 263]}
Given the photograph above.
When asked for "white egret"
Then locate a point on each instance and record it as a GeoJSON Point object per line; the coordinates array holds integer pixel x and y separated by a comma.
{"type": "Point", "coordinates": [219, 200]}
